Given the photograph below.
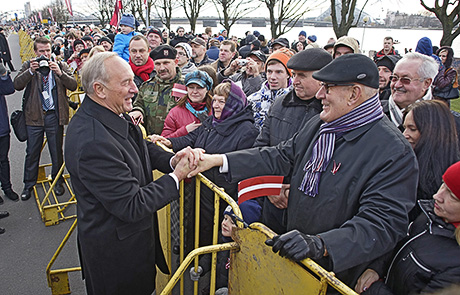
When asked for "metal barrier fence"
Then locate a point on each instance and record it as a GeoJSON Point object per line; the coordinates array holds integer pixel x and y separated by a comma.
{"type": "Point", "coordinates": [27, 46]}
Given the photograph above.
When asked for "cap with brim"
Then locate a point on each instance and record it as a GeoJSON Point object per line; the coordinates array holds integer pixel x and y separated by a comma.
{"type": "Point", "coordinates": [281, 41]}
{"type": "Point", "coordinates": [199, 41]}
{"type": "Point", "coordinates": [259, 54]}
{"type": "Point", "coordinates": [199, 77]}
{"type": "Point", "coordinates": [311, 59]}
{"type": "Point", "coordinates": [350, 68]}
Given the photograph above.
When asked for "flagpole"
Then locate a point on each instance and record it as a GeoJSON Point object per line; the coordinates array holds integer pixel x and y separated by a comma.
{"type": "Point", "coordinates": [147, 20]}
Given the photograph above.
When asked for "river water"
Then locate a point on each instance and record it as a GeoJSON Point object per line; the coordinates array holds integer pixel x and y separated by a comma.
{"type": "Point", "coordinates": [369, 38]}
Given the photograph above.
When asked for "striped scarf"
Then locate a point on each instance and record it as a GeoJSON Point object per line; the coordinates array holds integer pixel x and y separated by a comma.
{"type": "Point", "coordinates": [369, 111]}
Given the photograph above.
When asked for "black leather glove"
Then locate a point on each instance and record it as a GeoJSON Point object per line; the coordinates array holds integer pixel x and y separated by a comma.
{"type": "Point", "coordinates": [297, 246]}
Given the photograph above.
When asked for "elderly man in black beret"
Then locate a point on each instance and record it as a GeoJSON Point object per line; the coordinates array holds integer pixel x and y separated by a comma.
{"type": "Point", "coordinates": [286, 116]}
{"type": "Point", "coordinates": [154, 99]}
{"type": "Point", "coordinates": [353, 176]}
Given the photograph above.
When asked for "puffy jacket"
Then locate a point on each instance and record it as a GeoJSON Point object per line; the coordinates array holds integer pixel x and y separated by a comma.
{"type": "Point", "coordinates": [121, 44]}
{"type": "Point", "coordinates": [428, 260]}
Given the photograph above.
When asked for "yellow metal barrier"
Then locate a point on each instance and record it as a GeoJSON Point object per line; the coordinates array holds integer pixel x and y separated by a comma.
{"type": "Point", "coordinates": [27, 46]}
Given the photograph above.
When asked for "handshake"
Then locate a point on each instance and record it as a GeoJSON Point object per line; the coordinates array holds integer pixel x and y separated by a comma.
{"type": "Point", "coordinates": [189, 162]}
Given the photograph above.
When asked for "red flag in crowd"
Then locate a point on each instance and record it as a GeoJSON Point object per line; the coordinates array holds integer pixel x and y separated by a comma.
{"type": "Point", "coordinates": [251, 188]}
{"type": "Point", "coordinates": [116, 13]}
{"type": "Point", "coordinates": [40, 16]}
{"type": "Point", "coordinates": [51, 13]}
{"type": "Point", "coordinates": [69, 7]}
{"type": "Point", "coordinates": [35, 18]}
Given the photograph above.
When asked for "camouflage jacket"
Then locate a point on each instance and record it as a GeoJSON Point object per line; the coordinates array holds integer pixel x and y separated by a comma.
{"type": "Point", "coordinates": [154, 100]}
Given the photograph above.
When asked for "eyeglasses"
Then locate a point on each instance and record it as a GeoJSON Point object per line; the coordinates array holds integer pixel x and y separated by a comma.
{"type": "Point", "coordinates": [404, 80]}
{"type": "Point", "coordinates": [327, 86]}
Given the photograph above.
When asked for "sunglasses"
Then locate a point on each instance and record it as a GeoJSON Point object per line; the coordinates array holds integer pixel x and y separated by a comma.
{"type": "Point", "coordinates": [404, 80]}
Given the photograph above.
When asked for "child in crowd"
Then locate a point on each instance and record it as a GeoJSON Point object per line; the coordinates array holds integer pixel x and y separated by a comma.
{"type": "Point", "coordinates": [121, 45]}
{"type": "Point", "coordinates": [251, 211]}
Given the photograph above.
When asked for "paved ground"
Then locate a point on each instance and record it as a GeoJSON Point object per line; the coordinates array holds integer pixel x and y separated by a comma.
{"type": "Point", "coordinates": [28, 245]}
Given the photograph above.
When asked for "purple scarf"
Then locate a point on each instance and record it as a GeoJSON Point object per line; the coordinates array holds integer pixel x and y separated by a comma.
{"type": "Point", "coordinates": [235, 103]}
{"type": "Point", "coordinates": [369, 111]}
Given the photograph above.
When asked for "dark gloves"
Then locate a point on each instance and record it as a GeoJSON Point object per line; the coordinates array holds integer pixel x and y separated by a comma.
{"type": "Point", "coordinates": [378, 288]}
{"type": "Point", "coordinates": [297, 246]}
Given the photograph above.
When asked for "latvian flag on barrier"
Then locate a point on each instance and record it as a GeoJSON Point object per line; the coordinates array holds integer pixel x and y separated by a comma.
{"type": "Point", "coordinates": [251, 188]}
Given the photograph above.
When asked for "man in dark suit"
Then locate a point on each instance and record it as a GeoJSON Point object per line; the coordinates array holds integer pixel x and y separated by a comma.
{"type": "Point", "coordinates": [110, 167]}
{"type": "Point", "coordinates": [46, 110]}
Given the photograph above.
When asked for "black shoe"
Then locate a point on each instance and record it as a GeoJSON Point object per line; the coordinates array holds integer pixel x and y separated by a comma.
{"type": "Point", "coordinates": [10, 194]}
{"type": "Point", "coordinates": [59, 189]}
{"type": "Point", "coordinates": [1, 200]}
{"type": "Point", "coordinates": [2, 230]}
{"type": "Point", "coordinates": [4, 214]}
{"type": "Point", "coordinates": [26, 194]}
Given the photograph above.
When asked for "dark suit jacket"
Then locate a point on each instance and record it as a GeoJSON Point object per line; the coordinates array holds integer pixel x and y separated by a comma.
{"type": "Point", "coordinates": [117, 200]}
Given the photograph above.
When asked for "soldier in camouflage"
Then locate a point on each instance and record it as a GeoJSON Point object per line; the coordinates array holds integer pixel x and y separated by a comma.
{"type": "Point", "coordinates": [154, 100]}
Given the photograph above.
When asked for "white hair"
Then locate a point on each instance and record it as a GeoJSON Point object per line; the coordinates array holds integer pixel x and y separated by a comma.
{"type": "Point", "coordinates": [94, 70]}
{"type": "Point", "coordinates": [428, 66]}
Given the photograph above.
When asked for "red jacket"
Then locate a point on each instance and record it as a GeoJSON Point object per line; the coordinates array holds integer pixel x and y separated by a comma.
{"type": "Point", "coordinates": [176, 121]}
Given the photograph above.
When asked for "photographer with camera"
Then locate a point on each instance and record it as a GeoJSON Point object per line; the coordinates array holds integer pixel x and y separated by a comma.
{"type": "Point", "coordinates": [250, 72]}
{"type": "Point", "coordinates": [46, 109]}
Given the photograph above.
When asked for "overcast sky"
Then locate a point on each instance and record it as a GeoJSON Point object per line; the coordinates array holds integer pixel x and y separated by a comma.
{"type": "Point", "coordinates": [374, 7]}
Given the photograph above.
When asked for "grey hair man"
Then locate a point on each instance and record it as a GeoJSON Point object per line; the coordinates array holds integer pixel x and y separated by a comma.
{"type": "Point", "coordinates": [411, 82]}
{"type": "Point", "coordinates": [110, 165]}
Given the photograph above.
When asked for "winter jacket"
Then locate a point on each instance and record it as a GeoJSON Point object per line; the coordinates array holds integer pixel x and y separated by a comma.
{"type": "Point", "coordinates": [177, 120]}
{"type": "Point", "coordinates": [205, 61]}
{"type": "Point", "coordinates": [33, 110]}
{"type": "Point", "coordinates": [121, 44]}
{"type": "Point", "coordinates": [263, 99]}
{"type": "Point", "coordinates": [427, 261]}
{"type": "Point", "coordinates": [154, 101]}
{"type": "Point", "coordinates": [5, 52]}
{"type": "Point", "coordinates": [235, 133]}
{"type": "Point", "coordinates": [249, 84]}
{"type": "Point", "coordinates": [6, 88]}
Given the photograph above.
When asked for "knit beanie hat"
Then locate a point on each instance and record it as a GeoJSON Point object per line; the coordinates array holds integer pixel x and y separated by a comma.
{"type": "Point", "coordinates": [452, 179]}
{"type": "Point", "coordinates": [250, 209]}
{"type": "Point", "coordinates": [281, 55]}
{"type": "Point", "coordinates": [128, 19]}
{"type": "Point", "coordinates": [187, 48]}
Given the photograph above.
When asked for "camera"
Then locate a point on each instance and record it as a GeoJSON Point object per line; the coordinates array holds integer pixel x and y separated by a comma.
{"type": "Point", "coordinates": [43, 65]}
{"type": "Point", "coordinates": [242, 62]}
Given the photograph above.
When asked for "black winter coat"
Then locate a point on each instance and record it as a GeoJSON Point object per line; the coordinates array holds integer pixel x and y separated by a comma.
{"type": "Point", "coordinates": [428, 260]}
{"type": "Point", "coordinates": [235, 133]}
{"type": "Point", "coordinates": [5, 53]}
{"type": "Point", "coordinates": [286, 116]}
{"type": "Point", "coordinates": [361, 209]}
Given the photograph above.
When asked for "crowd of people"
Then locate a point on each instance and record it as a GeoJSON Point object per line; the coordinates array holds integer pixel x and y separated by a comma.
{"type": "Point", "coordinates": [367, 146]}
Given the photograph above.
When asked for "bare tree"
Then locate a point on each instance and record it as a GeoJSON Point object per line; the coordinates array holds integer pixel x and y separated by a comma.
{"type": "Point", "coordinates": [284, 14]}
{"type": "Point", "coordinates": [230, 11]}
{"type": "Point", "coordinates": [347, 16]}
{"type": "Point", "coordinates": [449, 21]}
{"type": "Point", "coordinates": [192, 10]}
{"type": "Point", "coordinates": [101, 9]}
{"type": "Point", "coordinates": [164, 9]}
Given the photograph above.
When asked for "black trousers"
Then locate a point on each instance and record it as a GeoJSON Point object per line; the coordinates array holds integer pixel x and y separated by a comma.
{"type": "Point", "coordinates": [54, 134]}
{"type": "Point", "coordinates": [5, 162]}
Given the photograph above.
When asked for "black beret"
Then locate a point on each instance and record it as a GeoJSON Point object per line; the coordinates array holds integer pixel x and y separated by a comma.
{"type": "Point", "coordinates": [350, 68]}
{"type": "Point", "coordinates": [311, 59]}
{"type": "Point", "coordinates": [163, 51]}
{"type": "Point", "coordinates": [388, 61]}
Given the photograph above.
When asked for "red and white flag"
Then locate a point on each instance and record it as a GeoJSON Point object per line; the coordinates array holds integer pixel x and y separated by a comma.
{"type": "Point", "coordinates": [40, 16]}
{"type": "Point", "coordinates": [51, 13]}
{"type": "Point", "coordinates": [255, 187]}
{"type": "Point", "coordinates": [116, 14]}
{"type": "Point", "coordinates": [69, 7]}
{"type": "Point", "coordinates": [179, 91]}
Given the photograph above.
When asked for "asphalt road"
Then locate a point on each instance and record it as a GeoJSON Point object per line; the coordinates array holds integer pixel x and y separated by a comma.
{"type": "Point", "coordinates": [28, 245]}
